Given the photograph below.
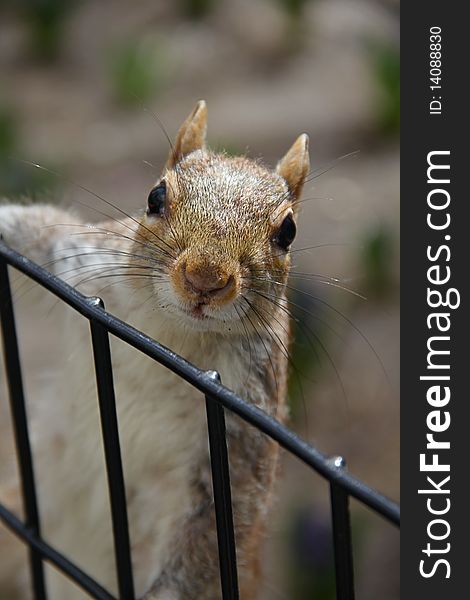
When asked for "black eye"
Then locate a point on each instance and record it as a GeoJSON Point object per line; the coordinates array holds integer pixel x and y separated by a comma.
{"type": "Point", "coordinates": [157, 199]}
{"type": "Point", "coordinates": [286, 233]}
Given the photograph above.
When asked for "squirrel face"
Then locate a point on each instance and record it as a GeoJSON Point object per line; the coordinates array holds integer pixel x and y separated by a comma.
{"type": "Point", "coordinates": [223, 226]}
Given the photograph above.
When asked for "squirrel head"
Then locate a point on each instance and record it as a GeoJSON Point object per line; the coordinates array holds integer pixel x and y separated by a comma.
{"type": "Point", "coordinates": [220, 228]}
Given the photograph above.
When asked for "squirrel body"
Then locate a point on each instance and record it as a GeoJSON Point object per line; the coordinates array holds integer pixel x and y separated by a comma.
{"type": "Point", "coordinates": [203, 271]}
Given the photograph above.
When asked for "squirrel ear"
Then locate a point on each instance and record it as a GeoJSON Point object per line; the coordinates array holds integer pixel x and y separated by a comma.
{"type": "Point", "coordinates": [295, 165]}
{"type": "Point", "coordinates": [191, 135]}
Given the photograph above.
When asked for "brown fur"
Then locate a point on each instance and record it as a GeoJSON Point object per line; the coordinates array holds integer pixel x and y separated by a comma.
{"type": "Point", "coordinates": [223, 213]}
{"type": "Point", "coordinates": [218, 275]}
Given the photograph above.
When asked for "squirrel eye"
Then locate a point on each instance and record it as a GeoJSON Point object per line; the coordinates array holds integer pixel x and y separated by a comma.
{"type": "Point", "coordinates": [156, 200]}
{"type": "Point", "coordinates": [286, 233]}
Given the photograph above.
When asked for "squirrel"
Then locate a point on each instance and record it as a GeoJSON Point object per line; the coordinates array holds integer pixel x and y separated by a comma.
{"type": "Point", "coordinates": [203, 270]}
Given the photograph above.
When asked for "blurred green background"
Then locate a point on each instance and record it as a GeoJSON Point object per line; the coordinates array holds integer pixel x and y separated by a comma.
{"type": "Point", "coordinates": [75, 80]}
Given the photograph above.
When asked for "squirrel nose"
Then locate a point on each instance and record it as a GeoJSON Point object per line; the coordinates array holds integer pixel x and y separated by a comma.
{"type": "Point", "coordinates": [207, 281]}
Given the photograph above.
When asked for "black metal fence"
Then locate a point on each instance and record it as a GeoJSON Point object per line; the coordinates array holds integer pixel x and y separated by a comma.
{"type": "Point", "coordinates": [218, 398]}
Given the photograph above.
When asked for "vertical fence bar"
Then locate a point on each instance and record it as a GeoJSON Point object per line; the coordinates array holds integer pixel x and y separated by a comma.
{"type": "Point", "coordinates": [222, 496]}
{"type": "Point", "coordinates": [112, 450]}
{"type": "Point", "coordinates": [342, 538]}
{"type": "Point", "coordinates": [20, 425]}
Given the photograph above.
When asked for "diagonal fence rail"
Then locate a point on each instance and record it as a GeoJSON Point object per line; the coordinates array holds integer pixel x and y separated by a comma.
{"type": "Point", "coordinates": [343, 485]}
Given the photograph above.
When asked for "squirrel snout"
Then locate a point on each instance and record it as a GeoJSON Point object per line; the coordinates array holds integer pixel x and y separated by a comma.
{"type": "Point", "coordinates": [208, 281]}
